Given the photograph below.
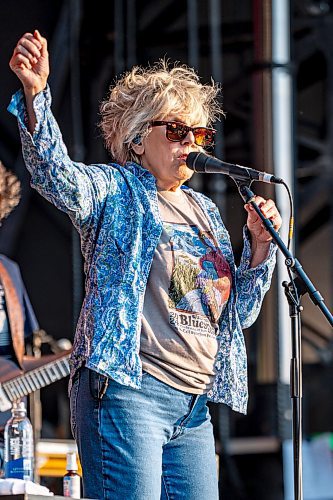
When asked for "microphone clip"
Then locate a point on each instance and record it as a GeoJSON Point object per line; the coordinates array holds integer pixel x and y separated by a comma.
{"type": "Point", "coordinates": [244, 189]}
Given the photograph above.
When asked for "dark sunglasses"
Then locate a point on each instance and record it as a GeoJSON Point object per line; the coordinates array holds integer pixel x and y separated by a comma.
{"type": "Point", "coordinates": [176, 132]}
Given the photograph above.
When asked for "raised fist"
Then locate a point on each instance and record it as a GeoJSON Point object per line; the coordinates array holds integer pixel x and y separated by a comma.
{"type": "Point", "coordinates": [30, 62]}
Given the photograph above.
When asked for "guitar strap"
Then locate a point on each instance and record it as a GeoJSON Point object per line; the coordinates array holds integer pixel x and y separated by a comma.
{"type": "Point", "coordinates": [15, 314]}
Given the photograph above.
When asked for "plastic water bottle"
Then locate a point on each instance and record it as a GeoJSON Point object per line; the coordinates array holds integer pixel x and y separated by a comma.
{"type": "Point", "coordinates": [19, 445]}
{"type": "Point", "coordinates": [72, 480]}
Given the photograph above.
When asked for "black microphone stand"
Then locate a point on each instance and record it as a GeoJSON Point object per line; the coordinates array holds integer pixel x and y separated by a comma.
{"type": "Point", "coordinates": [293, 291]}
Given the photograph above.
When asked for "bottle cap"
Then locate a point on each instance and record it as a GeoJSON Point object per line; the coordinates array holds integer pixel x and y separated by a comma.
{"type": "Point", "coordinates": [71, 462]}
{"type": "Point", "coordinates": [19, 406]}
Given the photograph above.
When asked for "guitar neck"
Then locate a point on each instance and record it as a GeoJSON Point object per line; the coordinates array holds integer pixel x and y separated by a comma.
{"type": "Point", "coordinates": [35, 379]}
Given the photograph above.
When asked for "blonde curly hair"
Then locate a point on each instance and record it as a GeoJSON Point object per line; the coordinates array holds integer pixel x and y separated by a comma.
{"type": "Point", "coordinates": [10, 191]}
{"type": "Point", "coordinates": [146, 94]}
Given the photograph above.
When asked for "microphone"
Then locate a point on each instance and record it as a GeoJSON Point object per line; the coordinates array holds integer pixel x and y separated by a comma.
{"type": "Point", "coordinates": [202, 163]}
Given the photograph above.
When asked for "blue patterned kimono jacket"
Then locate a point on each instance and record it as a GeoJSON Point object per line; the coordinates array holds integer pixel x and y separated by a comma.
{"type": "Point", "coordinates": [115, 210]}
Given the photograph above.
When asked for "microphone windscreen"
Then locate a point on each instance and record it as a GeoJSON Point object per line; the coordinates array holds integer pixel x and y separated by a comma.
{"type": "Point", "coordinates": [196, 161]}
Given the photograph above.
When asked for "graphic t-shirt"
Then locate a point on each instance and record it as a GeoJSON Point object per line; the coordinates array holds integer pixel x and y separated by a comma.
{"type": "Point", "coordinates": [188, 288]}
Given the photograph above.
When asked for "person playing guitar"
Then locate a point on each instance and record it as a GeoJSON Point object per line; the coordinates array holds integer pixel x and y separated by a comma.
{"type": "Point", "coordinates": [17, 318]}
{"type": "Point", "coordinates": [17, 323]}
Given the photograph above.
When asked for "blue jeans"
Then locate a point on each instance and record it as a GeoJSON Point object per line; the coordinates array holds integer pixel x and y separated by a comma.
{"type": "Point", "coordinates": [149, 444]}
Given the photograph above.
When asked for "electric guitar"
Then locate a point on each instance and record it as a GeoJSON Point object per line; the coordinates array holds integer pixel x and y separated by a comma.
{"type": "Point", "coordinates": [38, 372]}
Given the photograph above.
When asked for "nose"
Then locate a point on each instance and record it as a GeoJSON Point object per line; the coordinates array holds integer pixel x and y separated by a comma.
{"type": "Point", "coordinates": [189, 139]}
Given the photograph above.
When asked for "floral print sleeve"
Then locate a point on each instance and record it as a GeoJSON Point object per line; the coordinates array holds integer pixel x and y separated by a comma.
{"type": "Point", "coordinates": [253, 283]}
{"type": "Point", "coordinates": [74, 188]}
